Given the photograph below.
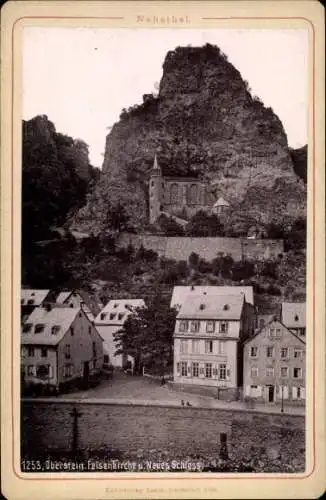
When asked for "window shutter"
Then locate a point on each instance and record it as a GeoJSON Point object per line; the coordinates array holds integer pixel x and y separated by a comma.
{"type": "Point", "coordinates": [294, 393]}
{"type": "Point", "coordinates": [302, 393]}
{"type": "Point", "coordinates": [286, 392]}
{"type": "Point", "coordinates": [214, 372]}
{"type": "Point", "coordinates": [189, 369]}
{"type": "Point", "coordinates": [50, 371]}
{"type": "Point", "coordinates": [34, 371]}
{"type": "Point", "coordinates": [201, 370]}
{"type": "Point", "coordinates": [178, 368]}
{"type": "Point", "coordinates": [228, 373]}
{"type": "Point", "coordinates": [247, 390]}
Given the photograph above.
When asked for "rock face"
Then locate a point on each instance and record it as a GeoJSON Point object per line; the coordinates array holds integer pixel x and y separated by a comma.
{"type": "Point", "coordinates": [205, 123]}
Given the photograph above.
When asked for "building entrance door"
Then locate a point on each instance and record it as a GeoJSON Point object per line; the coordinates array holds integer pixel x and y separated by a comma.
{"type": "Point", "coordinates": [270, 394]}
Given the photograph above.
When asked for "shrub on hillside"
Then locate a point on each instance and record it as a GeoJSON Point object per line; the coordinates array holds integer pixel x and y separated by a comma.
{"type": "Point", "coordinates": [273, 290]}
{"type": "Point", "coordinates": [203, 224]}
{"type": "Point", "coordinates": [169, 226]}
{"type": "Point", "coordinates": [146, 254]}
{"type": "Point", "coordinates": [242, 270]}
{"type": "Point", "coordinates": [204, 266]}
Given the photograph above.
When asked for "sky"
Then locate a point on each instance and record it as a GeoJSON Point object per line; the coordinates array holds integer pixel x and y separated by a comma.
{"type": "Point", "coordinates": [81, 78]}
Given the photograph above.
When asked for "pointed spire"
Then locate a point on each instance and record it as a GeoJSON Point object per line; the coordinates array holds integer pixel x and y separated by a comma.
{"type": "Point", "coordinates": [156, 168]}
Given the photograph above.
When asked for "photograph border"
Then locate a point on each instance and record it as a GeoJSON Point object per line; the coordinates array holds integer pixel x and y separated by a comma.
{"type": "Point", "coordinates": [314, 178]}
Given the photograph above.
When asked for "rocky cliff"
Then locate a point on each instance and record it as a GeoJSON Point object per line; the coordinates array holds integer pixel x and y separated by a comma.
{"type": "Point", "coordinates": [203, 122]}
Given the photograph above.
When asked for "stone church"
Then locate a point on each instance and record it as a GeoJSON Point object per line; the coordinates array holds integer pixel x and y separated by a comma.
{"type": "Point", "coordinates": [179, 196]}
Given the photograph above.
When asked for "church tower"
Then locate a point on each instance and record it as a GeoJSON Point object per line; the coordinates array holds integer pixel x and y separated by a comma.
{"type": "Point", "coordinates": [155, 192]}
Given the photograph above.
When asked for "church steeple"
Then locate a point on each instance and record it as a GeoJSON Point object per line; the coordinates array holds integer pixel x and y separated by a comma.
{"type": "Point", "coordinates": [156, 169]}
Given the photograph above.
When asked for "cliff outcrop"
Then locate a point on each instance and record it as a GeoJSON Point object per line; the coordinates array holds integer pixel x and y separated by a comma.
{"type": "Point", "coordinates": [204, 122]}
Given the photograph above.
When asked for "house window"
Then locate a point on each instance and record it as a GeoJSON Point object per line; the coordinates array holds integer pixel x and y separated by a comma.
{"type": "Point", "coordinates": [208, 370]}
{"type": "Point", "coordinates": [67, 370]}
{"type": "Point", "coordinates": [222, 372]}
{"type": "Point", "coordinates": [67, 351]}
{"type": "Point", "coordinates": [89, 330]}
{"type": "Point", "coordinates": [30, 370]}
{"type": "Point", "coordinates": [44, 352]}
{"type": "Point", "coordinates": [298, 353]}
{"type": "Point", "coordinates": [270, 352]}
{"type": "Point", "coordinates": [254, 371]}
{"type": "Point", "coordinates": [183, 326]}
{"type": "Point", "coordinates": [195, 369]}
{"type": "Point", "coordinates": [221, 346]}
{"type": "Point", "coordinates": [120, 316]}
{"type": "Point", "coordinates": [27, 327]}
{"type": "Point", "coordinates": [115, 305]}
{"type": "Point", "coordinates": [102, 316]}
{"type": "Point", "coordinates": [31, 352]}
{"type": "Point", "coordinates": [208, 346]}
{"type": "Point", "coordinates": [224, 327]}
{"type": "Point", "coordinates": [270, 371]}
{"type": "Point", "coordinates": [284, 353]}
{"type": "Point", "coordinates": [210, 326]}
{"type": "Point", "coordinates": [254, 352]}
{"type": "Point", "coordinates": [195, 346]}
{"type": "Point", "coordinates": [184, 346]}
{"type": "Point", "coordinates": [298, 393]}
{"type": "Point", "coordinates": [39, 328]}
{"type": "Point", "coordinates": [105, 358]}
{"type": "Point", "coordinates": [194, 326]}
{"type": "Point", "coordinates": [297, 372]}
{"type": "Point", "coordinates": [72, 332]}
{"type": "Point", "coordinates": [44, 371]}
{"type": "Point", "coordinates": [275, 333]}
{"type": "Point", "coordinates": [284, 371]}
{"type": "Point", "coordinates": [183, 368]}
{"type": "Point", "coordinates": [112, 315]}
{"type": "Point", "coordinates": [55, 329]}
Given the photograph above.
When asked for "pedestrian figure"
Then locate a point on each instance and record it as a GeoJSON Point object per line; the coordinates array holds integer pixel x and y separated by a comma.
{"type": "Point", "coordinates": [182, 402]}
{"type": "Point", "coordinates": [188, 404]}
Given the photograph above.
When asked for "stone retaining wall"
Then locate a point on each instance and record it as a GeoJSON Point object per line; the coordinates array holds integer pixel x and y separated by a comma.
{"type": "Point", "coordinates": [125, 431]}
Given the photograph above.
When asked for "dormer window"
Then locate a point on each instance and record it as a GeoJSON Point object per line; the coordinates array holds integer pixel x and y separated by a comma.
{"type": "Point", "coordinates": [27, 327]}
{"type": "Point", "coordinates": [103, 316]}
{"type": "Point", "coordinates": [30, 302]}
{"type": "Point", "coordinates": [115, 306]}
{"type": "Point", "coordinates": [33, 294]}
{"type": "Point", "coordinates": [202, 307]}
{"type": "Point", "coordinates": [39, 328]}
{"type": "Point", "coordinates": [112, 316]}
{"type": "Point", "coordinates": [120, 316]}
{"type": "Point", "coordinates": [226, 307]}
{"type": "Point", "coordinates": [55, 330]}
{"type": "Point", "coordinates": [296, 318]}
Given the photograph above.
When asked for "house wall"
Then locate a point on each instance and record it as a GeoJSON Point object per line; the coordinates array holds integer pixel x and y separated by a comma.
{"type": "Point", "coordinates": [81, 349]}
{"type": "Point", "coordinates": [262, 362]}
{"type": "Point", "coordinates": [106, 332]}
{"type": "Point", "coordinates": [228, 356]}
{"type": "Point", "coordinates": [37, 360]}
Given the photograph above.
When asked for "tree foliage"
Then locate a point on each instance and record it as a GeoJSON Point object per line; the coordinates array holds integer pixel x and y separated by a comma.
{"type": "Point", "coordinates": [147, 335]}
{"type": "Point", "coordinates": [203, 224]}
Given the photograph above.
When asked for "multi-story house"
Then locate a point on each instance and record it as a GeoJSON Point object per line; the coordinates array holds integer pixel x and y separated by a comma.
{"type": "Point", "coordinates": [293, 316]}
{"type": "Point", "coordinates": [79, 299]}
{"type": "Point", "coordinates": [181, 294]}
{"type": "Point", "coordinates": [32, 298]}
{"type": "Point", "coordinates": [208, 342]}
{"type": "Point", "coordinates": [274, 365]}
{"type": "Point", "coordinates": [58, 346]}
{"type": "Point", "coordinates": [110, 320]}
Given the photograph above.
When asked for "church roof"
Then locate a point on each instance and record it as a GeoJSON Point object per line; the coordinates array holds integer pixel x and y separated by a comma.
{"type": "Point", "coordinates": [221, 202]}
{"type": "Point", "coordinates": [156, 167]}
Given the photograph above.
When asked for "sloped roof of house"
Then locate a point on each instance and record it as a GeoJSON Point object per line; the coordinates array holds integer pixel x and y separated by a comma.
{"type": "Point", "coordinates": [226, 307]}
{"type": "Point", "coordinates": [116, 311]}
{"type": "Point", "coordinates": [89, 301]}
{"type": "Point", "coordinates": [60, 317]}
{"type": "Point", "coordinates": [38, 296]}
{"type": "Point", "coordinates": [221, 202]}
{"type": "Point", "coordinates": [277, 322]}
{"type": "Point", "coordinates": [294, 314]}
{"type": "Point", "coordinates": [182, 293]}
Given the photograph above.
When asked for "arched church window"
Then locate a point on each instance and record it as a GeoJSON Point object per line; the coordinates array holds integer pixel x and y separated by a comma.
{"type": "Point", "coordinates": [193, 194]}
{"type": "Point", "coordinates": [174, 193]}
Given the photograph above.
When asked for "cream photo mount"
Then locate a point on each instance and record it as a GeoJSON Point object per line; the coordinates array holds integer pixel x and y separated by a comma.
{"type": "Point", "coordinates": [158, 15]}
